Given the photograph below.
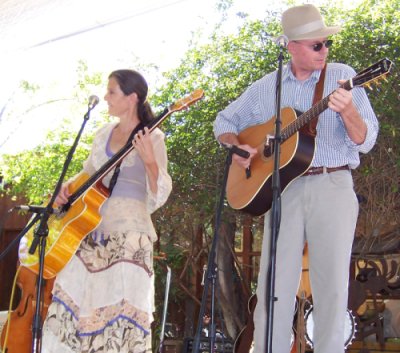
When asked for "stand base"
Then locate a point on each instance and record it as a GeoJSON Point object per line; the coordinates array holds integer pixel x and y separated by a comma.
{"type": "Point", "coordinates": [221, 345]}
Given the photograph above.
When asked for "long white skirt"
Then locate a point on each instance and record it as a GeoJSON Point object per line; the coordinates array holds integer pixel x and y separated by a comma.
{"type": "Point", "coordinates": [104, 298]}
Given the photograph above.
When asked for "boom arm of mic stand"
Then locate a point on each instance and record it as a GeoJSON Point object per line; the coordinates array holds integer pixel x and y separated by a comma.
{"type": "Point", "coordinates": [49, 207]}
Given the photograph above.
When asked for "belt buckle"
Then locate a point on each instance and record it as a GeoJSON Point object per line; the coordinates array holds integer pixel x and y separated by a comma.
{"type": "Point", "coordinates": [313, 171]}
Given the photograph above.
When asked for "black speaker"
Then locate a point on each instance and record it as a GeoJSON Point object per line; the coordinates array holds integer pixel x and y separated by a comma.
{"type": "Point", "coordinates": [222, 345]}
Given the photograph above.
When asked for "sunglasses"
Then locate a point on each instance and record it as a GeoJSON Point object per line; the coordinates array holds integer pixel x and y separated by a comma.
{"type": "Point", "coordinates": [318, 46]}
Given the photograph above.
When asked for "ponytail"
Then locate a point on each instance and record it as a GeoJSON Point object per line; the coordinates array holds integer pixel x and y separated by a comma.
{"type": "Point", "coordinates": [145, 112]}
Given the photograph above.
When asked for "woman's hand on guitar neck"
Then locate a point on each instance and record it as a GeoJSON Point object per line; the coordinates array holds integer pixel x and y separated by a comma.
{"type": "Point", "coordinates": [63, 195]}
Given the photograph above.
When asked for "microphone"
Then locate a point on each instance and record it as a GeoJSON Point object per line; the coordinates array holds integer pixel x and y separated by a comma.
{"type": "Point", "coordinates": [237, 150]}
{"type": "Point", "coordinates": [93, 101]}
{"type": "Point", "coordinates": [29, 208]}
{"type": "Point", "coordinates": [282, 41]}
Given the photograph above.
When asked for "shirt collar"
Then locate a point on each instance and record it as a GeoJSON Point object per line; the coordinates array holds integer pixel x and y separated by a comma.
{"type": "Point", "coordinates": [287, 74]}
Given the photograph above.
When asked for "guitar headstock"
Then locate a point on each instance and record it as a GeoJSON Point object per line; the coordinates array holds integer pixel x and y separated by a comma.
{"type": "Point", "coordinates": [372, 74]}
{"type": "Point", "coordinates": [185, 102]}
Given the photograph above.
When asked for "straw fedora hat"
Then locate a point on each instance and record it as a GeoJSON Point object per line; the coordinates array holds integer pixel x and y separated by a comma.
{"type": "Point", "coordinates": [305, 22]}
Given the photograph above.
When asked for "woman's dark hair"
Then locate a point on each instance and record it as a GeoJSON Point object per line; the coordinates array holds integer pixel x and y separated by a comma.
{"type": "Point", "coordinates": [131, 81]}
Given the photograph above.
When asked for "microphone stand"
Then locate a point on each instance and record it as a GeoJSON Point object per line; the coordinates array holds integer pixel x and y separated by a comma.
{"type": "Point", "coordinates": [275, 215]}
{"type": "Point", "coordinates": [40, 237]}
{"type": "Point", "coordinates": [211, 273]}
{"type": "Point", "coordinates": [164, 314]}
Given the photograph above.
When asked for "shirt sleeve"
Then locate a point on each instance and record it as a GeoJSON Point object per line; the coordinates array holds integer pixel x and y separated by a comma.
{"type": "Point", "coordinates": [164, 181]}
{"type": "Point", "coordinates": [364, 108]}
{"type": "Point", "coordinates": [239, 114]}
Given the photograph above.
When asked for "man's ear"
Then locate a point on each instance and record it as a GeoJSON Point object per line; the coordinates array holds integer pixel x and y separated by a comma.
{"type": "Point", "coordinates": [291, 47]}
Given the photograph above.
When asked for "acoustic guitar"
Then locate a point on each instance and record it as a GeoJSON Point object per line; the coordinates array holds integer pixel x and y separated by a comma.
{"type": "Point", "coordinates": [80, 216]}
{"type": "Point", "coordinates": [250, 190]}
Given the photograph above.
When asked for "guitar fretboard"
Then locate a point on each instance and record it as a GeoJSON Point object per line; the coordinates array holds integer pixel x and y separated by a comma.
{"type": "Point", "coordinates": [310, 114]}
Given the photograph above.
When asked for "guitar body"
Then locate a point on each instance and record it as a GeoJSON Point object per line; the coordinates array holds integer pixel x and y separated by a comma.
{"type": "Point", "coordinates": [244, 340]}
{"type": "Point", "coordinates": [66, 231]}
{"type": "Point", "coordinates": [16, 335]}
{"type": "Point", "coordinates": [253, 195]}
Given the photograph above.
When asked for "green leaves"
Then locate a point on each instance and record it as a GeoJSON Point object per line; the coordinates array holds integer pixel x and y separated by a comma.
{"type": "Point", "coordinates": [35, 173]}
{"type": "Point", "coordinates": [224, 67]}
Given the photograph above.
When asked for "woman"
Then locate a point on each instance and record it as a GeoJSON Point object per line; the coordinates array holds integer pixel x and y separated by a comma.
{"type": "Point", "coordinates": [103, 298]}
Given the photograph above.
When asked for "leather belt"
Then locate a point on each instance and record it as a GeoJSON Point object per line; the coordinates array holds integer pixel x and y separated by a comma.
{"type": "Point", "coordinates": [321, 170]}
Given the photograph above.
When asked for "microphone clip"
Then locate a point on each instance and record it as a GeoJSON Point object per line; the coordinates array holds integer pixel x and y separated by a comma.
{"type": "Point", "coordinates": [236, 150]}
{"type": "Point", "coordinates": [32, 208]}
{"type": "Point", "coordinates": [93, 101]}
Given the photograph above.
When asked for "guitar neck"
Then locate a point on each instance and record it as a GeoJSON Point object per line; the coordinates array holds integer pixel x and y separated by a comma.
{"type": "Point", "coordinates": [310, 114]}
{"type": "Point", "coordinates": [113, 161]}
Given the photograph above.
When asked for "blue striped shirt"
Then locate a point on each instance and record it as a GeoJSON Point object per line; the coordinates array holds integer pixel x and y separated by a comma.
{"type": "Point", "coordinates": [333, 145]}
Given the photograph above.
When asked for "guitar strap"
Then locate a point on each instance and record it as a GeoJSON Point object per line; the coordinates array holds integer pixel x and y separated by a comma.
{"type": "Point", "coordinates": [114, 177]}
{"type": "Point", "coordinates": [311, 127]}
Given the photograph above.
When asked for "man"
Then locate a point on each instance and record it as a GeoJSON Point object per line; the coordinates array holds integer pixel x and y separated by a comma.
{"type": "Point", "coordinates": [320, 206]}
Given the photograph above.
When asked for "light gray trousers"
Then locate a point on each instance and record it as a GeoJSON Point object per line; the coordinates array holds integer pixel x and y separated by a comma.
{"type": "Point", "coordinates": [322, 210]}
